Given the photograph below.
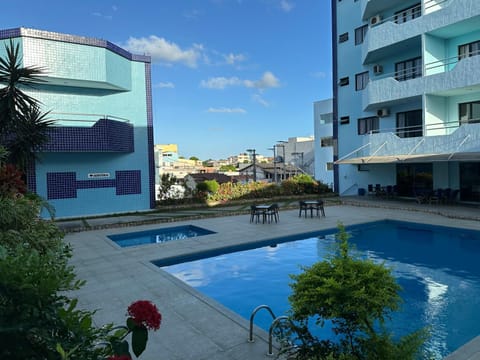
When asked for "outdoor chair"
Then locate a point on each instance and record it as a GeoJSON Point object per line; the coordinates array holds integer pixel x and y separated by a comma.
{"type": "Point", "coordinates": [303, 207]}
{"type": "Point", "coordinates": [255, 214]}
{"type": "Point", "coordinates": [370, 189]}
{"type": "Point", "coordinates": [272, 213]}
{"type": "Point", "coordinates": [319, 208]}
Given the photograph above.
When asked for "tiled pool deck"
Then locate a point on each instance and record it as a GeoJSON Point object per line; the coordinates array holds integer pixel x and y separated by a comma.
{"type": "Point", "coordinates": [196, 327]}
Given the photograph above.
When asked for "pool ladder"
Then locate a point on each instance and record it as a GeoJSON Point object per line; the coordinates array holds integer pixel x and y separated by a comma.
{"type": "Point", "coordinates": [276, 321]}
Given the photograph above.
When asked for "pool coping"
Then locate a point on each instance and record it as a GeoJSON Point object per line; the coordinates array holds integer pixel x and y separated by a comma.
{"type": "Point", "coordinates": [110, 287]}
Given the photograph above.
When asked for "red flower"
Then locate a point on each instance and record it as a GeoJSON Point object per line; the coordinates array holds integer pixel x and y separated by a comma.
{"type": "Point", "coordinates": [120, 357]}
{"type": "Point", "coordinates": [145, 313]}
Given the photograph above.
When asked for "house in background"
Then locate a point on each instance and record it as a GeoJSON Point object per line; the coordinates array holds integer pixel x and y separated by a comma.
{"type": "Point", "coordinates": [406, 86]}
{"type": "Point", "coordinates": [99, 158]}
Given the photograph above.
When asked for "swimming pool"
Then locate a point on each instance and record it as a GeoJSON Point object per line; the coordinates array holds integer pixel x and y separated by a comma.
{"type": "Point", "coordinates": [156, 236]}
{"type": "Point", "coordinates": [436, 266]}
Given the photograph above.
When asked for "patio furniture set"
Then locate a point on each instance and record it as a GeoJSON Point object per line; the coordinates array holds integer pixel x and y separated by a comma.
{"type": "Point", "coordinates": [268, 213]}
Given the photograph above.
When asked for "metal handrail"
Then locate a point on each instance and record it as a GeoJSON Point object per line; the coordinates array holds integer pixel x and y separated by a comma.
{"type": "Point", "coordinates": [274, 324]}
{"type": "Point", "coordinates": [254, 312]}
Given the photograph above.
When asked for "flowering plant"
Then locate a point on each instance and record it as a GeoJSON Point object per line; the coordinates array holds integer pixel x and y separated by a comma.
{"type": "Point", "coordinates": [143, 315]}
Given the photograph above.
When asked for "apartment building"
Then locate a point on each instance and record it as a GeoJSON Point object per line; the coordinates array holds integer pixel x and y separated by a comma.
{"type": "Point", "coordinates": [324, 145]}
{"type": "Point", "coordinates": [99, 158]}
{"type": "Point", "coordinates": [407, 95]}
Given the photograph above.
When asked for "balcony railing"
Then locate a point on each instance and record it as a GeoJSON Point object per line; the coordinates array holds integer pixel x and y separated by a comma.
{"type": "Point", "coordinates": [104, 134]}
{"type": "Point", "coordinates": [385, 146]}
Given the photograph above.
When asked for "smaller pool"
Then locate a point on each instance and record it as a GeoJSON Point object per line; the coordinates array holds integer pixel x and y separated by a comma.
{"type": "Point", "coordinates": [156, 236]}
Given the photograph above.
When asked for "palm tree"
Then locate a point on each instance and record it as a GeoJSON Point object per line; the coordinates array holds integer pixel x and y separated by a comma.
{"type": "Point", "coordinates": [23, 128]}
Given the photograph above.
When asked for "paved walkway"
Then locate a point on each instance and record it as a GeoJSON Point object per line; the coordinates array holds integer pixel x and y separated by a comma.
{"type": "Point", "coordinates": [194, 326]}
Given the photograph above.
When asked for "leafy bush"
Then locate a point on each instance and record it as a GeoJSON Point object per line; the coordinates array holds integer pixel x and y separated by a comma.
{"type": "Point", "coordinates": [355, 296]}
{"type": "Point", "coordinates": [38, 320]}
{"type": "Point", "coordinates": [11, 182]}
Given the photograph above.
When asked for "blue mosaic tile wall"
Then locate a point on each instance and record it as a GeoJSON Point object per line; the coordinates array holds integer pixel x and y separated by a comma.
{"type": "Point", "coordinates": [92, 77]}
{"type": "Point", "coordinates": [104, 135]}
{"type": "Point", "coordinates": [64, 185]}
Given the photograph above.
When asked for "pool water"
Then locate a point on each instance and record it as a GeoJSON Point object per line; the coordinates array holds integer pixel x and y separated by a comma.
{"type": "Point", "coordinates": [158, 235]}
{"type": "Point", "coordinates": [437, 267]}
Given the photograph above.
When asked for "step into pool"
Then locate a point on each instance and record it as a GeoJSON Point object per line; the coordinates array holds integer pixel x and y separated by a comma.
{"type": "Point", "coordinates": [157, 236]}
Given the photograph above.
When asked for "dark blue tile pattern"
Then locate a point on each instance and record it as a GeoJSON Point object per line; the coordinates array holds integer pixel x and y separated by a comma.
{"type": "Point", "coordinates": [128, 182]}
{"type": "Point", "coordinates": [104, 136]}
{"type": "Point", "coordinates": [151, 155]}
{"type": "Point", "coordinates": [75, 39]}
{"type": "Point", "coordinates": [61, 185]}
{"type": "Point", "coordinates": [64, 185]}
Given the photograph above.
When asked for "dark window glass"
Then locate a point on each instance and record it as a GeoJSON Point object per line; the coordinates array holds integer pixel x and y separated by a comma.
{"type": "Point", "coordinates": [469, 112]}
{"type": "Point", "coordinates": [409, 124]}
{"type": "Point", "coordinates": [344, 81]}
{"type": "Point", "coordinates": [408, 14]}
{"type": "Point", "coordinates": [368, 125]}
{"type": "Point", "coordinates": [345, 120]}
{"type": "Point", "coordinates": [343, 37]}
{"type": "Point", "coordinates": [361, 81]}
{"type": "Point", "coordinates": [408, 69]}
{"type": "Point", "coordinates": [360, 34]}
{"type": "Point", "coordinates": [467, 50]}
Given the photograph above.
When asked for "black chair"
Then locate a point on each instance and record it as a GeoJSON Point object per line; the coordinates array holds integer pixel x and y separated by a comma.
{"type": "Point", "coordinates": [255, 213]}
{"type": "Point", "coordinates": [370, 189]}
{"type": "Point", "coordinates": [272, 213]}
{"type": "Point", "coordinates": [319, 208]}
{"type": "Point", "coordinates": [303, 207]}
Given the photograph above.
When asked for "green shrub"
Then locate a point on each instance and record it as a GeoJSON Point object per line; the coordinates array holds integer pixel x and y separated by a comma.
{"type": "Point", "coordinates": [355, 296]}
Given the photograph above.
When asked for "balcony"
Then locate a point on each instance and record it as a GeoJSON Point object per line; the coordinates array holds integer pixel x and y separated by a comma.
{"type": "Point", "coordinates": [446, 77]}
{"type": "Point", "coordinates": [386, 147]}
{"type": "Point", "coordinates": [105, 135]}
{"type": "Point", "coordinates": [451, 19]}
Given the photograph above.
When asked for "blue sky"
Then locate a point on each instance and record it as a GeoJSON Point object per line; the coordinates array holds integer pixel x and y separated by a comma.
{"type": "Point", "coordinates": [227, 75]}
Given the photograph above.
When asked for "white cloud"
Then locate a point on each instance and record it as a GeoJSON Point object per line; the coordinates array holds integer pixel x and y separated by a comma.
{"type": "Point", "coordinates": [258, 99]}
{"type": "Point", "coordinates": [268, 80]}
{"type": "Point", "coordinates": [231, 59]}
{"type": "Point", "coordinates": [220, 82]}
{"type": "Point", "coordinates": [163, 51]}
{"type": "Point", "coordinates": [98, 14]}
{"type": "Point", "coordinates": [227, 110]}
{"type": "Point", "coordinates": [169, 85]}
{"type": "Point", "coordinates": [286, 5]}
{"type": "Point", "coordinates": [319, 74]}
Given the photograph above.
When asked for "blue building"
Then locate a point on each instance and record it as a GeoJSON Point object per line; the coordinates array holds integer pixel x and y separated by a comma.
{"type": "Point", "coordinates": [99, 159]}
{"type": "Point", "coordinates": [407, 95]}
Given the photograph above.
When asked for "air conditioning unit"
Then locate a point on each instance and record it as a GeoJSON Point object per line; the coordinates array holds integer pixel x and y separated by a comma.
{"type": "Point", "coordinates": [383, 112]}
{"type": "Point", "coordinates": [377, 69]}
{"type": "Point", "coordinates": [375, 20]}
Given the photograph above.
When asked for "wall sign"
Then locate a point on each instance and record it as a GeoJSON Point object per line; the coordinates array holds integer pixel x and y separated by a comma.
{"type": "Point", "coordinates": [98, 175]}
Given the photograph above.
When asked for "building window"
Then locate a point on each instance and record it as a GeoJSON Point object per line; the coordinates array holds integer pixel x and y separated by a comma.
{"type": "Point", "coordinates": [360, 34]}
{"type": "Point", "coordinates": [408, 14]}
{"type": "Point", "coordinates": [343, 37]}
{"type": "Point", "coordinates": [344, 120]}
{"type": "Point", "coordinates": [326, 142]}
{"type": "Point", "coordinates": [368, 125]}
{"type": "Point", "coordinates": [361, 81]}
{"type": "Point", "coordinates": [469, 112]}
{"type": "Point", "coordinates": [344, 81]}
{"type": "Point", "coordinates": [329, 166]}
{"type": "Point", "coordinates": [467, 50]}
{"type": "Point", "coordinates": [408, 69]}
{"type": "Point", "coordinates": [409, 124]}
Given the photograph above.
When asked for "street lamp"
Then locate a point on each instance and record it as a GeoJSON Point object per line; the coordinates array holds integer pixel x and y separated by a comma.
{"type": "Point", "coordinates": [252, 151]}
{"type": "Point", "coordinates": [282, 145]}
{"type": "Point", "coordinates": [274, 164]}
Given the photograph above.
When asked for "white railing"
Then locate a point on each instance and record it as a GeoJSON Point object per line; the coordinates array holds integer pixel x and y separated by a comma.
{"type": "Point", "coordinates": [67, 117]}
